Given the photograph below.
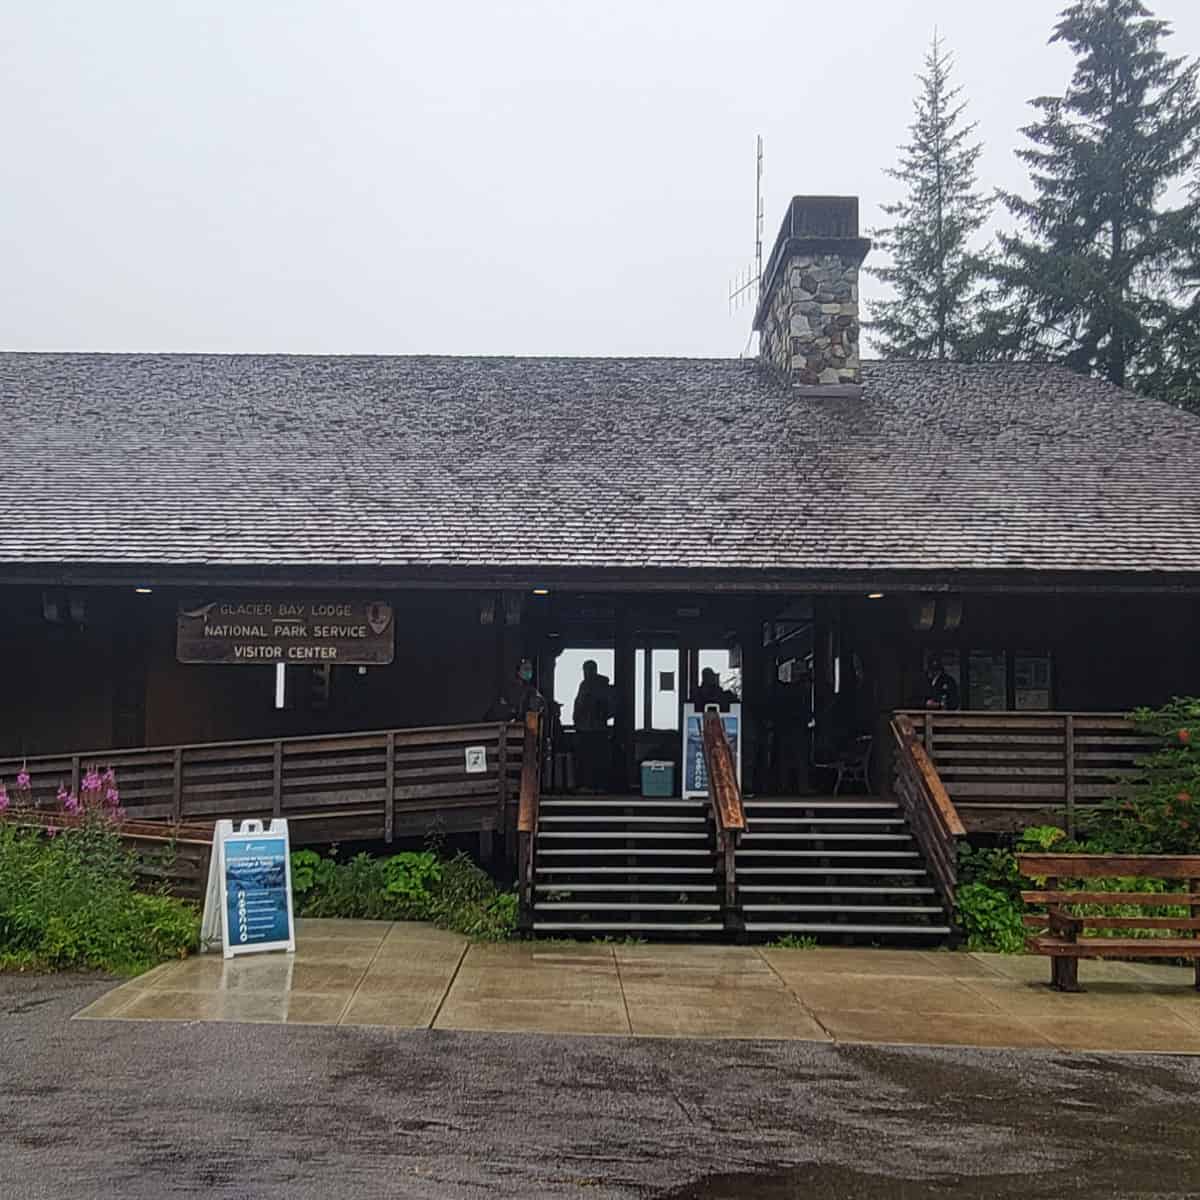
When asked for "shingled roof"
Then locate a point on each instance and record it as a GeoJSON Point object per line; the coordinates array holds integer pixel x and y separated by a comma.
{"type": "Point", "coordinates": [528, 464]}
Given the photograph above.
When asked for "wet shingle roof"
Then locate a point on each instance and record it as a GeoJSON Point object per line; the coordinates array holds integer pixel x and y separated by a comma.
{"type": "Point", "coordinates": [593, 463]}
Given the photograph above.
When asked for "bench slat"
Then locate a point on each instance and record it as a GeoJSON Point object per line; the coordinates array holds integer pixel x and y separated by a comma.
{"type": "Point", "coordinates": [1040, 921]}
{"type": "Point", "coordinates": [1104, 866]}
{"type": "Point", "coordinates": [1116, 947]}
{"type": "Point", "coordinates": [1110, 898]}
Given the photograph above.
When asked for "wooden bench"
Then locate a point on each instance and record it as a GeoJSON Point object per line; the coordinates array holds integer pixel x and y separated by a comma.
{"type": "Point", "coordinates": [1065, 943]}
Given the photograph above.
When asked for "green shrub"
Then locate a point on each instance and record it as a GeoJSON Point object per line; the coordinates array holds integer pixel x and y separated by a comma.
{"type": "Point", "coordinates": [990, 918]}
{"type": "Point", "coordinates": [67, 900]}
{"type": "Point", "coordinates": [417, 886]}
{"type": "Point", "coordinates": [789, 941]}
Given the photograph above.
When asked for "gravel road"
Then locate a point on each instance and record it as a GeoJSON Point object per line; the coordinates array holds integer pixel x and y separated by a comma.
{"type": "Point", "coordinates": [145, 1111]}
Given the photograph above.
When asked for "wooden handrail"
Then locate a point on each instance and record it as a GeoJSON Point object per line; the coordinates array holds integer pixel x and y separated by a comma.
{"type": "Point", "coordinates": [725, 797]}
{"type": "Point", "coordinates": [932, 817]}
{"type": "Point", "coordinates": [528, 807]}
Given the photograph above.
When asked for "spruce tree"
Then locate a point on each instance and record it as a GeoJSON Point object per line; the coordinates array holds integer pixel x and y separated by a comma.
{"type": "Point", "coordinates": [933, 272]}
{"type": "Point", "coordinates": [1091, 278]}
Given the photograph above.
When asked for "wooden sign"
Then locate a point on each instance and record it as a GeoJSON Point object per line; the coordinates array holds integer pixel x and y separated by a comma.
{"type": "Point", "coordinates": [298, 632]}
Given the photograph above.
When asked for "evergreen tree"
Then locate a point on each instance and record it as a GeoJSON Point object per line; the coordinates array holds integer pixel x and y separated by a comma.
{"type": "Point", "coordinates": [933, 273]}
{"type": "Point", "coordinates": [1092, 280]}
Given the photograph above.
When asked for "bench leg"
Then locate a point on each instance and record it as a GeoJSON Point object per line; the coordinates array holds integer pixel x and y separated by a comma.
{"type": "Point", "coordinates": [1064, 973]}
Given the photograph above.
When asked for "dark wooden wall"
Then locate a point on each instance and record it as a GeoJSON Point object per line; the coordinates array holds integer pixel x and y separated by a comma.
{"type": "Point", "coordinates": [70, 687]}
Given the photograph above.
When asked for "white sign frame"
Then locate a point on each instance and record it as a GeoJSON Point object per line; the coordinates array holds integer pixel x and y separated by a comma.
{"type": "Point", "coordinates": [733, 710]}
{"type": "Point", "coordinates": [476, 760]}
{"type": "Point", "coordinates": [214, 928]}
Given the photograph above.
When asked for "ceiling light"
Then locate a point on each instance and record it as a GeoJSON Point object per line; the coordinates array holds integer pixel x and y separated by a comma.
{"type": "Point", "coordinates": [143, 591]}
{"type": "Point", "coordinates": [541, 591]}
{"type": "Point", "coordinates": [874, 595]}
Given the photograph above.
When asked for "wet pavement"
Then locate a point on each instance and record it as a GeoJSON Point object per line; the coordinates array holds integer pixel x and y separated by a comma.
{"type": "Point", "coordinates": [142, 1110]}
{"type": "Point", "coordinates": [412, 976]}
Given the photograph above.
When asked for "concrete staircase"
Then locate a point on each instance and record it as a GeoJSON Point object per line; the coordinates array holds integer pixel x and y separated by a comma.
{"type": "Point", "coordinates": [625, 866]}
{"type": "Point", "coordinates": [835, 868]}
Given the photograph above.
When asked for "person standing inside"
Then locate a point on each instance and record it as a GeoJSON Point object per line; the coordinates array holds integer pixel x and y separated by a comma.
{"type": "Point", "coordinates": [593, 707]}
{"type": "Point", "coordinates": [942, 689]}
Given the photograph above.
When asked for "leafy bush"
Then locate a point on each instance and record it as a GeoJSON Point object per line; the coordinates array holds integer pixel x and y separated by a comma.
{"type": "Point", "coordinates": [67, 900]}
{"type": "Point", "coordinates": [1159, 810]}
{"type": "Point", "coordinates": [452, 893]}
{"type": "Point", "coordinates": [990, 918]}
{"type": "Point", "coordinates": [789, 941]}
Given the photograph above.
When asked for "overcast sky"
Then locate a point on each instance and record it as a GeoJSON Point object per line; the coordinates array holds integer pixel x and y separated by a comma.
{"type": "Point", "coordinates": [371, 176]}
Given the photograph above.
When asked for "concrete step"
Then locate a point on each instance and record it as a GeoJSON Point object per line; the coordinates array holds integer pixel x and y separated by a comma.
{"type": "Point", "coordinates": [619, 819]}
{"type": "Point", "coordinates": [591, 852]}
{"type": "Point", "coordinates": [821, 805]}
{"type": "Point", "coordinates": [673, 889]}
{"type": "Point", "coordinates": [637, 803]}
{"type": "Point", "coordinates": [829, 872]}
{"type": "Point", "coordinates": [844, 908]}
{"type": "Point", "coordinates": [810, 927]}
{"type": "Point", "coordinates": [852, 835]}
{"type": "Point", "coordinates": [646, 834]}
{"type": "Point", "coordinates": [784, 890]}
{"type": "Point", "coordinates": [858, 822]}
{"type": "Point", "coordinates": [753, 851]}
{"type": "Point", "coordinates": [566, 906]}
{"type": "Point", "coordinates": [705, 871]}
{"type": "Point", "coordinates": [603, 927]}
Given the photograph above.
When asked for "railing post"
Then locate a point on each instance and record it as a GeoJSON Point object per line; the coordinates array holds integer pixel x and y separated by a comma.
{"type": "Point", "coordinates": [277, 780]}
{"type": "Point", "coordinates": [1069, 774]}
{"type": "Point", "coordinates": [502, 796]}
{"type": "Point", "coordinates": [74, 774]}
{"type": "Point", "coordinates": [389, 790]}
{"type": "Point", "coordinates": [177, 786]}
{"type": "Point", "coordinates": [929, 736]}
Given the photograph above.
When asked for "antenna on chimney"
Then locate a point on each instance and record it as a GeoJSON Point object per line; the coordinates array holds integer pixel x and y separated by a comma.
{"type": "Point", "coordinates": [749, 282]}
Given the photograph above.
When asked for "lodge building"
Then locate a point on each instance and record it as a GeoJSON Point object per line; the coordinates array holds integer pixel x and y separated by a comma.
{"type": "Point", "coordinates": [202, 550]}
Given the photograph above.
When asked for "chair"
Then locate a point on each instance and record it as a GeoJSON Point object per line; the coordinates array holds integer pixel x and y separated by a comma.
{"type": "Point", "coordinates": [851, 764]}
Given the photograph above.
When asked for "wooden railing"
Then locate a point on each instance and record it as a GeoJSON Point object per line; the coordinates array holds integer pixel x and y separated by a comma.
{"type": "Point", "coordinates": [1009, 770]}
{"type": "Point", "coordinates": [528, 808]}
{"type": "Point", "coordinates": [172, 858]}
{"type": "Point", "coordinates": [334, 787]}
{"type": "Point", "coordinates": [931, 814]}
{"type": "Point", "coordinates": [725, 796]}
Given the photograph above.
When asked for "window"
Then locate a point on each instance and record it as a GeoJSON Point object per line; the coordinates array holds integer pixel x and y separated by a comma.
{"type": "Point", "coordinates": [1031, 681]}
{"type": "Point", "coordinates": [987, 681]}
{"type": "Point", "coordinates": [660, 691]}
{"type": "Point", "coordinates": [998, 680]}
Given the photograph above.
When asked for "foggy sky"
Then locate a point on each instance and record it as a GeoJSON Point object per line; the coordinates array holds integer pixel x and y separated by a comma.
{"type": "Point", "coordinates": [371, 176]}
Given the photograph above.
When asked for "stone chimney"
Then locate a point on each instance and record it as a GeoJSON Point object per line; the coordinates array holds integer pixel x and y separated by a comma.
{"type": "Point", "coordinates": [807, 317]}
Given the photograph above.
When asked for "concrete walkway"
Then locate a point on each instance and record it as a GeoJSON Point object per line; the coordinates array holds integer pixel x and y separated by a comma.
{"type": "Point", "coordinates": [410, 975]}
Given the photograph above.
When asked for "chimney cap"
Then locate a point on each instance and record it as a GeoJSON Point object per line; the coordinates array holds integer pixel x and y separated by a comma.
{"type": "Point", "coordinates": [812, 224]}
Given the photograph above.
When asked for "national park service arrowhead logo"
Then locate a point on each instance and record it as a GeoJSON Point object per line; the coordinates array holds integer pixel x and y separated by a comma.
{"type": "Point", "coordinates": [379, 616]}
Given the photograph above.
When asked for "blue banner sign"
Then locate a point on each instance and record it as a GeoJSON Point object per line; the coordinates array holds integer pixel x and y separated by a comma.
{"type": "Point", "coordinates": [249, 902]}
{"type": "Point", "coordinates": [695, 773]}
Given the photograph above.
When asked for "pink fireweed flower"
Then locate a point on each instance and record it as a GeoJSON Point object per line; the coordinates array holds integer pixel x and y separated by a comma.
{"type": "Point", "coordinates": [22, 778]}
{"type": "Point", "coordinates": [91, 781]}
{"type": "Point", "coordinates": [112, 797]}
{"type": "Point", "coordinates": [70, 802]}
{"type": "Point", "coordinates": [3, 797]}
{"type": "Point", "coordinates": [51, 830]}
{"type": "Point", "coordinates": [119, 814]}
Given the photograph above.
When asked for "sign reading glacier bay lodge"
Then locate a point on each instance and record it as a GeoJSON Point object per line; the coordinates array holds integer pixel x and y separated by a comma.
{"type": "Point", "coordinates": [300, 631]}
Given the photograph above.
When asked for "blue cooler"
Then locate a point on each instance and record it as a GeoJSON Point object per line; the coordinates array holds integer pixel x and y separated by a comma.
{"type": "Point", "coordinates": [658, 778]}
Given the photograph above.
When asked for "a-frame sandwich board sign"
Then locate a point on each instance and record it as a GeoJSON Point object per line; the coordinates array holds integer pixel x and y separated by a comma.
{"type": "Point", "coordinates": [248, 904]}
